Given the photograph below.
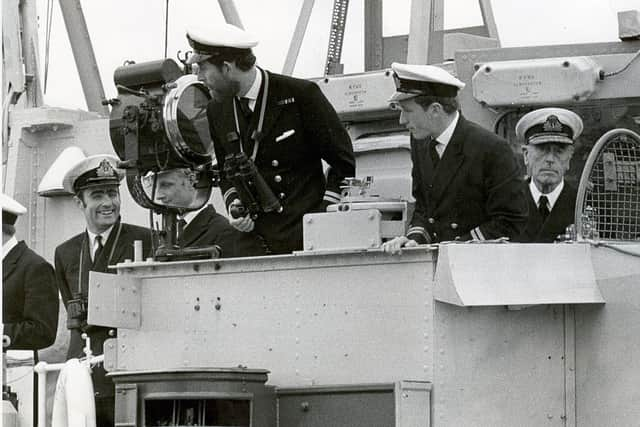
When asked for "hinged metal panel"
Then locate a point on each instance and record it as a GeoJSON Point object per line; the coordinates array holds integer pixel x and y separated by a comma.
{"type": "Point", "coordinates": [126, 411]}
{"type": "Point", "coordinates": [515, 274]}
{"type": "Point", "coordinates": [413, 403]}
{"type": "Point", "coordinates": [110, 351]}
{"type": "Point", "coordinates": [114, 300]}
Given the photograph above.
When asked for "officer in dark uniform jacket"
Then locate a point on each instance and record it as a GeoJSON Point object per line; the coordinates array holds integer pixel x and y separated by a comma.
{"type": "Point", "coordinates": [30, 300]}
{"type": "Point", "coordinates": [466, 181]}
{"type": "Point", "coordinates": [285, 125]}
{"type": "Point", "coordinates": [548, 134]}
{"type": "Point", "coordinates": [29, 294]}
{"type": "Point", "coordinates": [106, 241]}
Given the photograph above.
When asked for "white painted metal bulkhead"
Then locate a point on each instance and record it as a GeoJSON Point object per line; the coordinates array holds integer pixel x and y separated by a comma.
{"type": "Point", "coordinates": [341, 318]}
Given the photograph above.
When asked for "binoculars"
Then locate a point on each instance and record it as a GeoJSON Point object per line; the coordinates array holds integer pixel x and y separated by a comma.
{"type": "Point", "coordinates": [77, 313]}
{"type": "Point", "coordinates": [254, 193]}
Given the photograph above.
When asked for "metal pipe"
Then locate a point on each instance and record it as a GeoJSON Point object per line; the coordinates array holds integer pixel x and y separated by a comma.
{"type": "Point", "coordinates": [419, 32]}
{"type": "Point", "coordinates": [31, 54]}
{"type": "Point", "coordinates": [426, 19]}
{"type": "Point", "coordinates": [373, 41]}
{"type": "Point", "coordinates": [41, 370]}
{"type": "Point", "coordinates": [230, 13]}
{"type": "Point", "coordinates": [489, 19]}
{"type": "Point", "coordinates": [84, 55]}
{"type": "Point", "coordinates": [298, 37]}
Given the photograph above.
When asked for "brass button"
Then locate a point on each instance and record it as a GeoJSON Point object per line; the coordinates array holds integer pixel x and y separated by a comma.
{"type": "Point", "coordinates": [275, 163]}
{"type": "Point", "coordinates": [281, 195]}
{"type": "Point", "coordinates": [454, 225]}
{"type": "Point", "coordinates": [431, 220]}
{"type": "Point", "coordinates": [277, 178]}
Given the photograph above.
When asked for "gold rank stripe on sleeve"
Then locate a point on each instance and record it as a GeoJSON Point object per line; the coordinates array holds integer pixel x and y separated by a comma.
{"type": "Point", "coordinates": [418, 230]}
{"type": "Point", "coordinates": [331, 197]}
{"type": "Point", "coordinates": [229, 195]}
{"type": "Point", "coordinates": [476, 234]}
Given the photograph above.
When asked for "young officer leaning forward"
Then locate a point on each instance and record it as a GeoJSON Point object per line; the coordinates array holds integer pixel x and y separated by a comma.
{"type": "Point", "coordinates": [466, 181]}
{"type": "Point", "coordinates": [548, 135]}
{"type": "Point", "coordinates": [285, 125]}
{"type": "Point", "coordinates": [106, 241]}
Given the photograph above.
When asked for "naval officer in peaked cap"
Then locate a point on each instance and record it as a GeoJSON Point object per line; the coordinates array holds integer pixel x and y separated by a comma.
{"type": "Point", "coordinates": [285, 125]}
{"type": "Point", "coordinates": [466, 181]}
{"type": "Point", "coordinates": [30, 300]}
{"type": "Point", "coordinates": [548, 135]}
{"type": "Point", "coordinates": [29, 293]}
{"type": "Point", "coordinates": [95, 183]}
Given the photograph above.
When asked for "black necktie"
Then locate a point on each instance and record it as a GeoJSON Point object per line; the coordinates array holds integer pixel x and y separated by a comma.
{"type": "Point", "coordinates": [182, 223]}
{"type": "Point", "coordinates": [543, 207]}
{"type": "Point", "coordinates": [435, 157]}
{"type": "Point", "coordinates": [100, 247]}
{"type": "Point", "coordinates": [244, 107]}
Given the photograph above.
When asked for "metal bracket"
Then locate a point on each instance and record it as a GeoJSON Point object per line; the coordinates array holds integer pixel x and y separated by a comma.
{"type": "Point", "coordinates": [114, 301]}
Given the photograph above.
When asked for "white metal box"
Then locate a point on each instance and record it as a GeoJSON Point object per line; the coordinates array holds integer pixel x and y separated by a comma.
{"type": "Point", "coordinates": [535, 81]}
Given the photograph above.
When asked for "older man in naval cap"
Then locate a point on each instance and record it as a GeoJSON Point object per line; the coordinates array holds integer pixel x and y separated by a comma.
{"type": "Point", "coordinates": [466, 181]}
{"type": "Point", "coordinates": [106, 241]}
{"type": "Point", "coordinates": [548, 135]}
{"type": "Point", "coordinates": [285, 125]}
{"type": "Point", "coordinates": [205, 226]}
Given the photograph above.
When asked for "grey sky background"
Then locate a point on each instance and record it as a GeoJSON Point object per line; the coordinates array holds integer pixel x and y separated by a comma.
{"type": "Point", "coordinates": [134, 30]}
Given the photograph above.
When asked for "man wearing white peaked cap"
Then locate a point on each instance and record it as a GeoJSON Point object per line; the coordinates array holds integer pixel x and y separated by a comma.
{"type": "Point", "coordinates": [548, 135]}
{"type": "Point", "coordinates": [466, 181]}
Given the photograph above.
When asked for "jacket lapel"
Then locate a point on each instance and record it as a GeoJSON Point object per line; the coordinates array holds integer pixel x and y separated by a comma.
{"type": "Point", "coordinates": [556, 215]}
{"type": "Point", "coordinates": [450, 161]}
{"type": "Point", "coordinates": [223, 120]}
{"type": "Point", "coordinates": [197, 227]}
{"type": "Point", "coordinates": [272, 110]}
{"type": "Point", "coordinates": [115, 237]}
{"type": "Point", "coordinates": [534, 224]}
{"type": "Point", "coordinates": [10, 261]}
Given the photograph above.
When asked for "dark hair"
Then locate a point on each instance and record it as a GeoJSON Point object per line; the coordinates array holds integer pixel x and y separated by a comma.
{"type": "Point", "coordinates": [8, 229]}
{"type": "Point", "coordinates": [80, 195]}
{"type": "Point", "coordinates": [449, 105]}
{"type": "Point", "coordinates": [243, 58]}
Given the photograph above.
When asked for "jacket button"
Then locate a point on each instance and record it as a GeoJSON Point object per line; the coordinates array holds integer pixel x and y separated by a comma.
{"type": "Point", "coordinates": [431, 220]}
{"type": "Point", "coordinates": [282, 195]}
{"type": "Point", "coordinates": [277, 178]}
{"type": "Point", "coordinates": [275, 163]}
{"type": "Point", "coordinates": [454, 225]}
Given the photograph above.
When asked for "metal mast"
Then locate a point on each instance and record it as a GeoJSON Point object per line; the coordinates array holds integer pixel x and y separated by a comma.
{"type": "Point", "coordinates": [84, 55]}
{"type": "Point", "coordinates": [336, 36]}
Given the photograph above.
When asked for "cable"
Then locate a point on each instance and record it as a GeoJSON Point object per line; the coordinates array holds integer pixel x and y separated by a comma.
{"type": "Point", "coordinates": [166, 28]}
{"type": "Point", "coordinates": [598, 243]}
{"type": "Point", "coordinates": [604, 75]}
{"type": "Point", "coordinates": [48, 25]}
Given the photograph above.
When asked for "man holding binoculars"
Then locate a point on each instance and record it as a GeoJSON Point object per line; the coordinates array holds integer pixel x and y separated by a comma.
{"type": "Point", "coordinates": [284, 126]}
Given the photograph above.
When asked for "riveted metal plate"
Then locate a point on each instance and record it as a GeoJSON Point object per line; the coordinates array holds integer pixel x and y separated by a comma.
{"type": "Point", "coordinates": [114, 300]}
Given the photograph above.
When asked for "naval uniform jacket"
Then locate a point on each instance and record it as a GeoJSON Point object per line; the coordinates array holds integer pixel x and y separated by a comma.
{"type": "Point", "coordinates": [69, 271]}
{"type": "Point", "coordinates": [300, 129]}
{"type": "Point", "coordinates": [29, 299]}
{"type": "Point", "coordinates": [209, 228]}
{"type": "Point", "coordinates": [476, 191]}
{"type": "Point", "coordinates": [561, 216]}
